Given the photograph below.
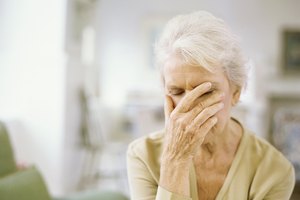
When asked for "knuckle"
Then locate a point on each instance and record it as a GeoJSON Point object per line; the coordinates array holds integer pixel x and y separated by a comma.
{"type": "Point", "coordinates": [184, 107]}
{"type": "Point", "coordinates": [178, 120]}
{"type": "Point", "coordinates": [201, 105]}
{"type": "Point", "coordinates": [183, 124]}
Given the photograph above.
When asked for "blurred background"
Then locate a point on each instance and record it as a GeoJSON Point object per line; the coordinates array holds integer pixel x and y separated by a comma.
{"type": "Point", "coordinates": [77, 80]}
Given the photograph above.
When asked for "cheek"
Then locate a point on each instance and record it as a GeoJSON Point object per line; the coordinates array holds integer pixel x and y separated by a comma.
{"type": "Point", "coordinates": [227, 103]}
{"type": "Point", "coordinates": [224, 114]}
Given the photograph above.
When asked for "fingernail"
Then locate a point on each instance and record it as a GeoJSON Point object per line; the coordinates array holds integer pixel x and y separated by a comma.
{"type": "Point", "coordinates": [222, 95]}
{"type": "Point", "coordinates": [207, 84]}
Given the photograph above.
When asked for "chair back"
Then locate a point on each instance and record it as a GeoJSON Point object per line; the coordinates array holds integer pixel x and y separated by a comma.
{"type": "Point", "coordinates": [7, 161]}
{"type": "Point", "coordinates": [27, 184]}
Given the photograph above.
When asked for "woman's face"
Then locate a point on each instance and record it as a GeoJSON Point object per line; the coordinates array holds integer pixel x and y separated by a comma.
{"type": "Point", "coordinates": [181, 78]}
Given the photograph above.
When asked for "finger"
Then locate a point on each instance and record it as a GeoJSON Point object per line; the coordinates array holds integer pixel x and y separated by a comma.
{"type": "Point", "coordinates": [206, 114]}
{"type": "Point", "coordinates": [205, 128]}
{"type": "Point", "coordinates": [205, 102]}
{"type": "Point", "coordinates": [186, 102]}
{"type": "Point", "coordinates": [168, 107]}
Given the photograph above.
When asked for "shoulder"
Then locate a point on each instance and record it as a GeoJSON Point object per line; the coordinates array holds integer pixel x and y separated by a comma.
{"type": "Point", "coordinates": [141, 145]}
{"type": "Point", "coordinates": [147, 148]}
{"type": "Point", "coordinates": [273, 175]}
{"type": "Point", "coordinates": [268, 162]}
{"type": "Point", "coordinates": [264, 151]}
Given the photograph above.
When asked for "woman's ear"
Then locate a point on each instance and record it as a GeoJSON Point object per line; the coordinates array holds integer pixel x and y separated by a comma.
{"type": "Point", "coordinates": [236, 96]}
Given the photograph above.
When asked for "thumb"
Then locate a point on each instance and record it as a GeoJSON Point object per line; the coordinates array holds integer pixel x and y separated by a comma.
{"type": "Point", "coordinates": [168, 107]}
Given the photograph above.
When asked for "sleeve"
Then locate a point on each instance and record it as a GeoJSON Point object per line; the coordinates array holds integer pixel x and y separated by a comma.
{"type": "Point", "coordinates": [142, 184]}
{"type": "Point", "coordinates": [283, 190]}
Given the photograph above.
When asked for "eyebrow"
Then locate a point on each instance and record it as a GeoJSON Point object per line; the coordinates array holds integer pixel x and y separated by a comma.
{"type": "Point", "coordinates": [174, 87]}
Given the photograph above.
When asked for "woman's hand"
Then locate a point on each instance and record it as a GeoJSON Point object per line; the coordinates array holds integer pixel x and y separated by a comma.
{"type": "Point", "coordinates": [187, 124]}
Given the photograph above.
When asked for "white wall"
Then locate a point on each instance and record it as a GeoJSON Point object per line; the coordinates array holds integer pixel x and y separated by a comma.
{"type": "Point", "coordinates": [32, 82]}
{"type": "Point", "coordinates": [121, 48]}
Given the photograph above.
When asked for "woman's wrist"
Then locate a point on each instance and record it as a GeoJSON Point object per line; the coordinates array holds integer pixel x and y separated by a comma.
{"type": "Point", "coordinates": [176, 163]}
{"type": "Point", "coordinates": [174, 176]}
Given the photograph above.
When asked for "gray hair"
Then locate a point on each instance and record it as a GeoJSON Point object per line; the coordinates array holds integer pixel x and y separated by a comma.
{"type": "Point", "coordinates": [204, 40]}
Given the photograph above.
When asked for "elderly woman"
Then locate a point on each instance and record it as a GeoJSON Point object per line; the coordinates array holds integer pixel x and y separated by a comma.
{"type": "Point", "coordinates": [203, 153]}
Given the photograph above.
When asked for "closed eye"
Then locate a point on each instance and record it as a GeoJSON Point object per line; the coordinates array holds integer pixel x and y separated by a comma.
{"type": "Point", "coordinates": [176, 92]}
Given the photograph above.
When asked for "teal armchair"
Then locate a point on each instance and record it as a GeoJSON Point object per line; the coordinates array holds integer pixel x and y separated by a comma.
{"type": "Point", "coordinates": [28, 184]}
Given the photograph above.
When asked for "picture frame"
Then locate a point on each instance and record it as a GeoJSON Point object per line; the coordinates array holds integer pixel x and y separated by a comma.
{"type": "Point", "coordinates": [291, 52]}
{"type": "Point", "coordinates": [284, 128]}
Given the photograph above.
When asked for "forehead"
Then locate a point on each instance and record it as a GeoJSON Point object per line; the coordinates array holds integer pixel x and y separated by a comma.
{"type": "Point", "coordinates": [179, 74]}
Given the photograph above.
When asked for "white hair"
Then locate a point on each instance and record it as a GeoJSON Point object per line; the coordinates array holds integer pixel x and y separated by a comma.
{"type": "Point", "coordinates": [204, 40]}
